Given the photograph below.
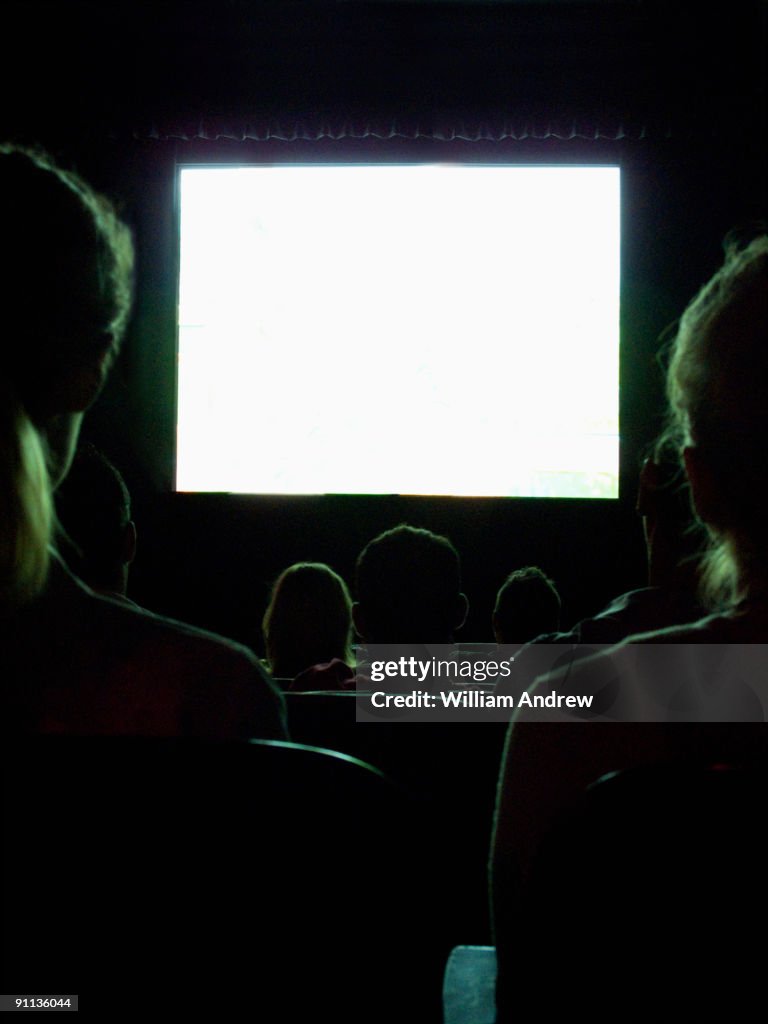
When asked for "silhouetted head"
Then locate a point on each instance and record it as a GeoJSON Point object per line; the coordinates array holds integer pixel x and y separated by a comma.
{"type": "Point", "coordinates": [716, 384]}
{"type": "Point", "coordinates": [65, 296]}
{"type": "Point", "coordinates": [93, 507]}
{"type": "Point", "coordinates": [527, 605]}
{"type": "Point", "coordinates": [308, 620]}
{"type": "Point", "coordinates": [409, 588]}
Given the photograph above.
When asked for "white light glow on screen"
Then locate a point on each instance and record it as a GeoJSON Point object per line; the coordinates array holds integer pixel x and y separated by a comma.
{"type": "Point", "coordinates": [428, 329]}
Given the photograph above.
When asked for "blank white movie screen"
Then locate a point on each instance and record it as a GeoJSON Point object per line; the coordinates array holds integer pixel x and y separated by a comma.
{"type": "Point", "coordinates": [431, 329]}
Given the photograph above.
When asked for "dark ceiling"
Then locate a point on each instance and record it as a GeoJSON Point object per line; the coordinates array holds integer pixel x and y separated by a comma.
{"type": "Point", "coordinates": [142, 68]}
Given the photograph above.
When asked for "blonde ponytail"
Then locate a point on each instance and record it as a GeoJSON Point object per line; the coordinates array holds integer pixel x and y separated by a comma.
{"type": "Point", "coordinates": [26, 507]}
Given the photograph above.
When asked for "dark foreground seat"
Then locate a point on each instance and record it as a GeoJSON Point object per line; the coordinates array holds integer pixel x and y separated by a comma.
{"type": "Point", "coordinates": [451, 768]}
{"type": "Point", "coordinates": [647, 902]}
{"type": "Point", "coordinates": [264, 879]}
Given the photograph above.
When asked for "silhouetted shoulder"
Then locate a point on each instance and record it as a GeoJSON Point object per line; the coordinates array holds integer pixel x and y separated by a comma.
{"type": "Point", "coordinates": [109, 668]}
{"type": "Point", "coordinates": [734, 627]}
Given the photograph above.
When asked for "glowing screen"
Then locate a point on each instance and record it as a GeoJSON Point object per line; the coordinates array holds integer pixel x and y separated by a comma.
{"type": "Point", "coordinates": [399, 329]}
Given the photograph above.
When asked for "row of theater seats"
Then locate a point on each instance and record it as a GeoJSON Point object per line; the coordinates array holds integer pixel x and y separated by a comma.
{"type": "Point", "coordinates": [645, 903]}
{"type": "Point", "coordinates": [295, 882]}
{"type": "Point", "coordinates": [270, 878]}
{"type": "Point", "coordinates": [450, 768]}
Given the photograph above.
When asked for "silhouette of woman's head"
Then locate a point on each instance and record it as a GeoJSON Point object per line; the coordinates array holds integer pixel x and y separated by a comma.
{"type": "Point", "coordinates": [717, 384]}
{"type": "Point", "coordinates": [308, 620]}
{"type": "Point", "coordinates": [65, 295]}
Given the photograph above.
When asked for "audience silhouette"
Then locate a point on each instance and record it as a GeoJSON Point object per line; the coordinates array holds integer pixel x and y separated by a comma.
{"type": "Point", "coordinates": [673, 541]}
{"type": "Point", "coordinates": [409, 588]}
{"type": "Point", "coordinates": [97, 535]}
{"type": "Point", "coordinates": [78, 658]}
{"type": "Point", "coordinates": [718, 419]}
{"type": "Point", "coordinates": [308, 623]}
{"type": "Point", "coordinates": [72, 662]}
{"type": "Point", "coordinates": [527, 605]}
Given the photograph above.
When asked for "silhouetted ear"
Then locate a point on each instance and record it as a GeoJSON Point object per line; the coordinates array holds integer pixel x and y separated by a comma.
{"type": "Point", "coordinates": [358, 621]}
{"type": "Point", "coordinates": [703, 490]}
{"type": "Point", "coordinates": [462, 610]}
